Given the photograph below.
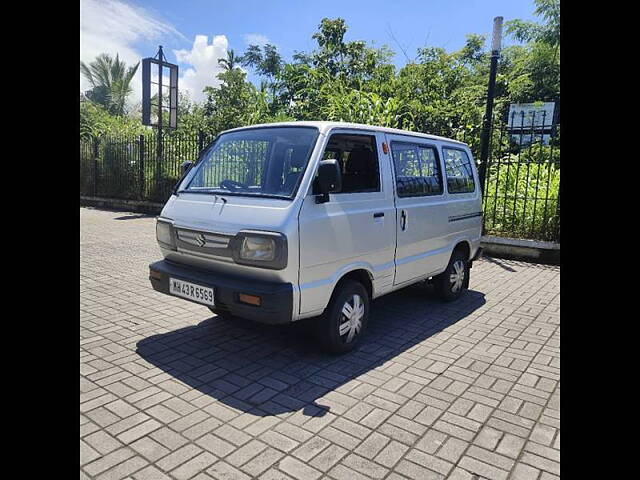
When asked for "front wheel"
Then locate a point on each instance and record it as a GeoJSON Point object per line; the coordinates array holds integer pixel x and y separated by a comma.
{"type": "Point", "coordinates": [342, 323]}
{"type": "Point", "coordinates": [452, 283]}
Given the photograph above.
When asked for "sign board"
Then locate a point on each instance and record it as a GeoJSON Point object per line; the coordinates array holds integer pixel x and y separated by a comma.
{"type": "Point", "coordinates": [160, 97]}
{"type": "Point", "coordinates": [531, 122]}
{"type": "Point", "coordinates": [531, 116]}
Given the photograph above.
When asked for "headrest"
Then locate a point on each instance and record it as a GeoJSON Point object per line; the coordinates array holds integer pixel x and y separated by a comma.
{"type": "Point", "coordinates": [298, 156]}
{"type": "Point", "coordinates": [359, 159]}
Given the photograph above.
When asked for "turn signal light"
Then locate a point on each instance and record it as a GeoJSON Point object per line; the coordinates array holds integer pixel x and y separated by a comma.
{"type": "Point", "coordinates": [155, 274]}
{"type": "Point", "coordinates": [250, 299]}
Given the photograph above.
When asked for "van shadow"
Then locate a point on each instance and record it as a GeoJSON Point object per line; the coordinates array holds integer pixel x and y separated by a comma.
{"type": "Point", "coordinates": [268, 370]}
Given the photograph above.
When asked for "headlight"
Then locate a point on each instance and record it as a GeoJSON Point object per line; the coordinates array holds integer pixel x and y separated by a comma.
{"type": "Point", "coordinates": [164, 234]}
{"type": "Point", "coordinates": [260, 249]}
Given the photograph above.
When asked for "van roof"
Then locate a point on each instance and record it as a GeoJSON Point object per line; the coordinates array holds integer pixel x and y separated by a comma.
{"type": "Point", "coordinates": [324, 127]}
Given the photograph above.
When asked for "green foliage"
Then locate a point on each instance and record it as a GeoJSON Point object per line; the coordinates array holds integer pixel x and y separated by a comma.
{"type": "Point", "coordinates": [231, 61]}
{"type": "Point", "coordinates": [522, 193]}
{"type": "Point", "coordinates": [111, 82]}
{"type": "Point", "coordinates": [234, 104]}
{"type": "Point", "coordinates": [534, 69]}
{"type": "Point", "coordinates": [266, 60]}
{"type": "Point", "coordinates": [96, 122]}
{"type": "Point", "coordinates": [350, 105]}
{"type": "Point", "coordinates": [441, 92]}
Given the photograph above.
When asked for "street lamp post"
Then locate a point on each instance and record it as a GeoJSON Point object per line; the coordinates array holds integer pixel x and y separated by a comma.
{"type": "Point", "coordinates": [486, 124]}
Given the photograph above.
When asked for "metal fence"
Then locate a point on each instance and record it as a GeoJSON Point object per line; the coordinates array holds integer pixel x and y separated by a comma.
{"type": "Point", "coordinates": [521, 191]}
{"type": "Point", "coordinates": [521, 196]}
{"type": "Point", "coordinates": [128, 168]}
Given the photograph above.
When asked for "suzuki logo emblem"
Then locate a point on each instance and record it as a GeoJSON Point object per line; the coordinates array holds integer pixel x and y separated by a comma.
{"type": "Point", "coordinates": [201, 239]}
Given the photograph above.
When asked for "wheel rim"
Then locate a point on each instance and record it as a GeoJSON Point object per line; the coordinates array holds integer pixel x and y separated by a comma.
{"type": "Point", "coordinates": [351, 318]}
{"type": "Point", "coordinates": [457, 276]}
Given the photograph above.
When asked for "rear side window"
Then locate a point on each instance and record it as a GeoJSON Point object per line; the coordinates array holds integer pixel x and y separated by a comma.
{"type": "Point", "coordinates": [459, 172]}
{"type": "Point", "coordinates": [417, 170]}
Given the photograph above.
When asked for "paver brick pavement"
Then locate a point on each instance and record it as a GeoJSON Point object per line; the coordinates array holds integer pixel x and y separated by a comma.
{"type": "Point", "coordinates": [462, 390]}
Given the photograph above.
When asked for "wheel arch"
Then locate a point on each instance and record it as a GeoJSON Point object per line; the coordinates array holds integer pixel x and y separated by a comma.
{"type": "Point", "coordinates": [463, 246]}
{"type": "Point", "coordinates": [360, 275]}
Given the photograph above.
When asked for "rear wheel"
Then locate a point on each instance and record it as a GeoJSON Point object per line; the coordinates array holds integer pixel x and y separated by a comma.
{"type": "Point", "coordinates": [345, 318]}
{"type": "Point", "coordinates": [452, 283]}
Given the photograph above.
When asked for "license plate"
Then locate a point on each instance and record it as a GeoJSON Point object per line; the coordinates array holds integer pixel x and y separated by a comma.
{"type": "Point", "coordinates": [194, 292]}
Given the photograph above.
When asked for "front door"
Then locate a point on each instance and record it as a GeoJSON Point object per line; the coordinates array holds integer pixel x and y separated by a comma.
{"type": "Point", "coordinates": [421, 208]}
{"type": "Point", "coordinates": [356, 227]}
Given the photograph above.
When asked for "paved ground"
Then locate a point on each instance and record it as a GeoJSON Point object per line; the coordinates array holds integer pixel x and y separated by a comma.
{"type": "Point", "coordinates": [167, 390]}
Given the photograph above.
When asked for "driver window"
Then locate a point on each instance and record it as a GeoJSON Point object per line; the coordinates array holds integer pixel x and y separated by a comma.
{"type": "Point", "coordinates": [358, 159]}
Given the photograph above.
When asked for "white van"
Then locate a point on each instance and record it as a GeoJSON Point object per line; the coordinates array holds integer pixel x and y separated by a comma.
{"type": "Point", "coordinates": [286, 221]}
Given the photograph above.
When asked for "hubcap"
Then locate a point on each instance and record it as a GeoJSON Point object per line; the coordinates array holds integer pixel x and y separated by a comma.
{"type": "Point", "coordinates": [351, 318]}
{"type": "Point", "coordinates": [457, 276]}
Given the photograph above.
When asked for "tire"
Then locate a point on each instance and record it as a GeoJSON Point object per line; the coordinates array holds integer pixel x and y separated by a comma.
{"type": "Point", "coordinates": [453, 282]}
{"type": "Point", "coordinates": [348, 294]}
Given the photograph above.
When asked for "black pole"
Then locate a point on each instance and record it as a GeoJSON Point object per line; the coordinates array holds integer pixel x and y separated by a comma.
{"type": "Point", "coordinates": [486, 124]}
{"type": "Point", "coordinates": [95, 166]}
{"type": "Point", "coordinates": [141, 171]}
{"type": "Point", "coordinates": [159, 139]}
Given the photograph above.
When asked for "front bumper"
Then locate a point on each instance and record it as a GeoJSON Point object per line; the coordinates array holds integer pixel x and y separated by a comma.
{"type": "Point", "coordinates": [277, 298]}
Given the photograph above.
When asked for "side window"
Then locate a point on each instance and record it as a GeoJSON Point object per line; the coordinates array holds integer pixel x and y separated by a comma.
{"type": "Point", "coordinates": [459, 171]}
{"type": "Point", "coordinates": [417, 170]}
{"type": "Point", "coordinates": [358, 159]}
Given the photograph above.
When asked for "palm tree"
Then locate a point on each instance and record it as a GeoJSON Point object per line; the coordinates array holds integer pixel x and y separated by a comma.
{"type": "Point", "coordinates": [231, 61]}
{"type": "Point", "coordinates": [111, 81]}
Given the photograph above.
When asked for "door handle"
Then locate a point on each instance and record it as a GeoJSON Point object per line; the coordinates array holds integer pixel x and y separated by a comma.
{"type": "Point", "coordinates": [403, 220]}
{"type": "Point", "coordinates": [378, 214]}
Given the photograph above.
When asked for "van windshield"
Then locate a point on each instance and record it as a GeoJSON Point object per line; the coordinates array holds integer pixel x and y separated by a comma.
{"type": "Point", "coordinates": [266, 161]}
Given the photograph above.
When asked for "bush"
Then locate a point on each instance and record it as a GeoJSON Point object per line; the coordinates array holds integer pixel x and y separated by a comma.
{"type": "Point", "coordinates": [522, 196]}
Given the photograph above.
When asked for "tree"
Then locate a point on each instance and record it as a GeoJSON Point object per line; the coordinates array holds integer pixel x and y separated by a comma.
{"type": "Point", "coordinates": [267, 62]}
{"type": "Point", "coordinates": [110, 80]}
{"type": "Point", "coordinates": [534, 72]}
{"type": "Point", "coordinates": [233, 103]}
{"type": "Point", "coordinates": [231, 61]}
{"type": "Point", "coordinates": [352, 62]}
{"type": "Point", "coordinates": [96, 122]}
{"type": "Point", "coordinates": [439, 92]}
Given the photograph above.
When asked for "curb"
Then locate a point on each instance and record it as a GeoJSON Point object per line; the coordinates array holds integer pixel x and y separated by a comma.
{"type": "Point", "coordinates": [520, 249]}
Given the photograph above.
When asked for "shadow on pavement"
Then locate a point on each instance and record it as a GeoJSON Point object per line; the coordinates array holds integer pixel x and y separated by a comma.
{"type": "Point", "coordinates": [497, 261]}
{"type": "Point", "coordinates": [135, 216]}
{"type": "Point", "coordinates": [267, 370]}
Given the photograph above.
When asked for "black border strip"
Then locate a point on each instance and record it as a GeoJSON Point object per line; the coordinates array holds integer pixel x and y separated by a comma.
{"type": "Point", "coordinates": [464, 217]}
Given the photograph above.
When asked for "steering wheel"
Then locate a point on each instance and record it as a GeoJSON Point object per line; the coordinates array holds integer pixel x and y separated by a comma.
{"type": "Point", "coordinates": [233, 185]}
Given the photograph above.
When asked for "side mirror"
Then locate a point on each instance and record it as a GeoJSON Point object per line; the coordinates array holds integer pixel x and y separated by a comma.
{"type": "Point", "coordinates": [185, 166]}
{"type": "Point", "coordinates": [329, 179]}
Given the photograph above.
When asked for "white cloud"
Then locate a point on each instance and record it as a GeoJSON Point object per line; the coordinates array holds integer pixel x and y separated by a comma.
{"type": "Point", "coordinates": [203, 57]}
{"type": "Point", "coordinates": [255, 39]}
{"type": "Point", "coordinates": [112, 26]}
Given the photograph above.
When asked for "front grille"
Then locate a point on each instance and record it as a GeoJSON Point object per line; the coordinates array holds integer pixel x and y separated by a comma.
{"type": "Point", "coordinates": [203, 243]}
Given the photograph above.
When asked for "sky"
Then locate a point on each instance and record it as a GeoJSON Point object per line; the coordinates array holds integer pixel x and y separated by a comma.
{"type": "Point", "coordinates": [195, 34]}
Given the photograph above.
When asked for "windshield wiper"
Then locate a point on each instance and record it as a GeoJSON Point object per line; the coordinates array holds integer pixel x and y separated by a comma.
{"type": "Point", "coordinates": [203, 190]}
{"type": "Point", "coordinates": [237, 193]}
